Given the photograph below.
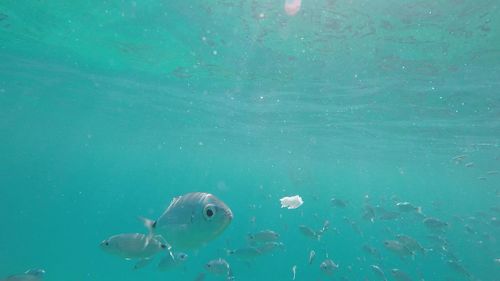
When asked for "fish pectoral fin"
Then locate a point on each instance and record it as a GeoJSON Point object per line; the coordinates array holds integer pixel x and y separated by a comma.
{"type": "Point", "coordinates": [142, 263]}
{"type": "Point", "coordinates": [150, 225]}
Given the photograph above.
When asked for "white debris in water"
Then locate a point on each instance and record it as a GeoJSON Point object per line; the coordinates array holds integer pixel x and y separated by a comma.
{"type": "Point", "coordinates": [291, 202]}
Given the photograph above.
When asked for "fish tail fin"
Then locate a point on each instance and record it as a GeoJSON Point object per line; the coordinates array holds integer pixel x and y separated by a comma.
{"type": "Point", "coordinates": [419, 210]}
{"type": "Point", "coordinates": [150, 225]}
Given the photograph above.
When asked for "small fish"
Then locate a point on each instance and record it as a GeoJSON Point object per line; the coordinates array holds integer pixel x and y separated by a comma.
{"type": "Point", "coordinates": [246, 253]}
{"type": "Point", "coordinates": [369, 213]}
{"type": "Point", "coordinates": [35, 274]}
{"type": "Point", "coordinates": [435, 224]}
{"type": "Point", "coordinates": [269, 247]}
{"type": "Point", "coordinates": [398, 248]}
{"type": "Point", "coordinates": [492, 172]}
{"type": "Point", "coordinates": [439, 240]}
{"type": "Point", "coordinates": [220, 267]}
{"type": "Point", "coordinates": [172, 260]}
{"type": "Point", "coordinates": [459, 158]}
{"type": "Point", "coordinates": [372, 251]}
{"type": "Point", "coordinates": [291, 202]}
{"type": "Point", "coordinates": [399, 275]}
{"type": "Point", "coordinates": [312, 255]}
{"type": "Point", "coordinates": [410, 243]}
{"type": "Point", "coordinates": [309, 232]}
{"type": "Point", "coordinates": [263, 236]}
{"type": "Point", "coordinates": [294, 272]}
{"type": "Point", "coordinates": [378, 271]}
{"type": "Point", "coordinates": [387, 215]}
{"type": "Point", "coordinates": [132, 246]}
{"type": "Point", "coordinates": [191, 220]}
{"type": "Point", "coordinates": [497, 261]}
{"type": "Point", "coordinates": [469, 165]}
{"type": "Point", "coordinates": [459, 268]}
{"type": "Point", "coordinates": [328, 267]}
{"type": "Point", "coordinates": [408, 207]}
{"type": "Point", "coordinates": [338, 203]}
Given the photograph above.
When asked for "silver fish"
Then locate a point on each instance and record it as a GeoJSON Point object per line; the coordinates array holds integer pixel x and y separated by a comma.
{"type": "Point", "coordinates": [220, 267]}
{"type": "Point", "coordinates": [410, 243]}
{"type": "Point", "coordinates": [408, 207]}
{"type": "Point", "coordinates": [263, 236]}
{"type": "Point", "coordinates": [338, 203]}
{"type": "Point", "coordinates": [378, 271]}
{"type": "Point", "coordinates": [372, 251]}
{"type": "Point", "coordinates": [30, 275]}
{"type": "Point", "coordinates": [398, 248]}
{"type": "Point", "coordinates": [459, 268]}
{"type": "Point", "coordinates": [192, 220]}
{"type": "Point", "coordinates": [435, 224]}
{"type": "Point", "coordinates": [328, 267]}
{"type": "Point", "coordinates": [312, 255]}
{"type": "Point", "coordinates": [269, 247]}
{"type": "Point", "coordinates": [172, 260]}
{"type": "Point", "coordinates": [246, 253]}
{"type": "Point", "coordinates": [309, 232]}
{"type": "Point", "coordinates": [132, 246]}
{"type": "Point", "coordinates": [400, 275]}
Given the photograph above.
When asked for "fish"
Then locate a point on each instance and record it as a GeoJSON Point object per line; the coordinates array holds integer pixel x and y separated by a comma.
{"type": "Point", "coordinates": [384, 214]}
{"type": "Point", "coordinates": [132, 246]}
{"type": "Point", "coordinates": [497, 261]}
{"type": "Point", "coordinates": [263, 236]}
{"type": "Point", "coordinates": [398, 248]}
{"type": "Point", "coordinates": [435, 224]}
{"type": "Point", "coordinates": [172, 260]}
{"type": "Point", "coordinates": [408, 207]}
{"type": "Point", "coordinates": [35, 274]}
{"type": "Point", "coordinates": [309, 232]}
{"type": "Point", "coordinates": [399, 275]}
{"type": "Point", "coordinates": [439, 240]}
{"type": "Point", "coordinates": [220, 267]}
{"type": "Point", "coordinates": [291, 202]}
{"type": "Point", "coordinates": [294, 272]}
{"type": "Point", "coordinates": [378, 271]}
{"type": "Point", "coordinates": [459, 268]}
{"type": "Point", "coordinates": [372, 251]}
{"type": "Point", "coordinates": [338, 203]}
{"type": "Point", "coordinates": [246, 253]}
{"type": "Point", "coordinates": [191, 220]}
{"type": "Point", "coordinates": [369, 213]}
{"type": "Point", "coordinates": [269, 247]}
{"type": "Point", "coordinates": [469, 165]}
{"type": "Point", "coordinates": [328, 267]}
{"type": "Point", "coordinates": [459, 158]}
{"type": "Point", "coordinates": [312, 255]}
{"type": "Point", "coordinates": [410, 243]}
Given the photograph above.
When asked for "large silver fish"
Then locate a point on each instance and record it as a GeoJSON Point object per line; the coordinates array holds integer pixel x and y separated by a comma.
{"type": "Point", "coordinates": [30, 275]}
{"type": "Point", "coordinates": [191, 220]}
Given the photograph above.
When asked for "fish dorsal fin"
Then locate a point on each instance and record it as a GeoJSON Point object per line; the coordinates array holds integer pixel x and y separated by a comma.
{"type": "Point", "coordinates": [174, 202]}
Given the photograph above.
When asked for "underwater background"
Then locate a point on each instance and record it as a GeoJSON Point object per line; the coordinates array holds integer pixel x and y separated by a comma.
{"type": "Point", "coordinates": [109, 109]}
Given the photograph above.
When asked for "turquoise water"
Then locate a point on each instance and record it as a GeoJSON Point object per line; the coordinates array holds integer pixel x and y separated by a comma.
{"type": "Point", "coordinates": [110, 109]}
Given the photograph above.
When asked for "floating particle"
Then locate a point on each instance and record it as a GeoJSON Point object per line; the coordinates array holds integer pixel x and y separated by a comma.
{"type": "Point", "coordinates": [292, 7]}
{"type": "Point", "coordinates": [291, 202]}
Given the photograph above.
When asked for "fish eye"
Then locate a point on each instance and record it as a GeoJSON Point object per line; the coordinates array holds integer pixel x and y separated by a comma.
{"type": "Point", "coordinates": [209, 212]}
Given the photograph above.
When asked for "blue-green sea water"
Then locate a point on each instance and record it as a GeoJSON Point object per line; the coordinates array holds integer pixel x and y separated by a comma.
{"type": "Point", "coordinates": [109, 109]}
